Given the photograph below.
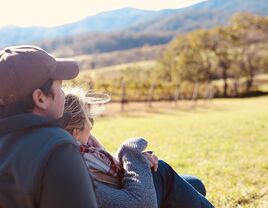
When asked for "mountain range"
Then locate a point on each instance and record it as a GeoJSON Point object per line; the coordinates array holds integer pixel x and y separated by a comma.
{"type": "Point", "coordinates": [110, 21]}
{"type": "Point", "coordinates": [129, 27]}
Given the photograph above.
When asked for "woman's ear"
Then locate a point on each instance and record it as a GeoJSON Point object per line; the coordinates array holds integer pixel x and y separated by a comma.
{"type": "Point", "coordinates": [75, 134]}
{"type": "Point", "coordinates": [40, 100]}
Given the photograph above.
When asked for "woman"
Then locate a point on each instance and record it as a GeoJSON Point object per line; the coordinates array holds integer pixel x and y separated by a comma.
{"type": "Point", "coordinates": [128, 181]}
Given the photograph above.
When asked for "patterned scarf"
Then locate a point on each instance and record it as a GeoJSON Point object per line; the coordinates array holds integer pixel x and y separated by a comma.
{"type": "Point", "coordinates": [104, 167]}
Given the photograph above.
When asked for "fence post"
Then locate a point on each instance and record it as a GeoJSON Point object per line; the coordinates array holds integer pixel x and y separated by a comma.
{"type": "Point", "coordinates": [207, 93]}
{"type": "Point", "coordinates": [211, 93]}
{"type": "Point", "coordinates": [177, 95]}
{"type": "Point", "coordinates": [195, 94]}
{"type": "Point", "coordinates": [123, 95]}
{"type": "Point", "coordinates": [151, 95]}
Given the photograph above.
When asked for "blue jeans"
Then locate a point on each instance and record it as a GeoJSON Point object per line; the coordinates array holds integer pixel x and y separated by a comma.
{"type": "Point", "coordinates": [173, 190]}
{"type": "Point", "coordinates": [195, 182]}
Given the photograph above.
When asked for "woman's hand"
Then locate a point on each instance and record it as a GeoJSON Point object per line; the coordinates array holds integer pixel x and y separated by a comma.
{"type": "Point", "coordinates": [153, 159]}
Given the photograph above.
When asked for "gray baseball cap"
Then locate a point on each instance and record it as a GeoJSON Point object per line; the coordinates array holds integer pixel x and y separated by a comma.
{"type": "Point", "coordinates": [26, 68]}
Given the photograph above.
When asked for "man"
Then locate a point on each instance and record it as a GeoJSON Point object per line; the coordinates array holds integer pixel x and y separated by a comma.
{"type": "Point", "coordinates": [40, 165]}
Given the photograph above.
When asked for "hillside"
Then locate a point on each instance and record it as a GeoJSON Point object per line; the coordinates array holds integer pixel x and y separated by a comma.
{"type": "Point", "coordinates": [109, 21]}
{"type": "Point", "coordinates": [96, 61]}
{"type": "Point", "coordinates": [159, 30]}
{"type": "Point", "coordinates": [129, 28]}
{"type": "Point", "coordinates": [205, 14]}
{"type": "Point", "coordinates": [103, 42]}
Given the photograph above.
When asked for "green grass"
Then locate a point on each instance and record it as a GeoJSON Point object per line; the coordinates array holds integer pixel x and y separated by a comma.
{"type": "Point", "coordinates": [224, 143]}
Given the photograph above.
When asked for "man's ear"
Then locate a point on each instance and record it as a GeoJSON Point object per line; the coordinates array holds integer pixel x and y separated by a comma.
{"type": "Point", "coordinates": [40, 100]}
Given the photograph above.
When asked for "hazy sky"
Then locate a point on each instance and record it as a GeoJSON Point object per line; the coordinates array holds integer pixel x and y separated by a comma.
{"type": "Point", "coordinates": [57, 12]}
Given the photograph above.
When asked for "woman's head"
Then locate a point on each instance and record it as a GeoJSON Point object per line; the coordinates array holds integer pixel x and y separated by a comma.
{"type": "Point", "coordinates": [80, 123]}
{"type": "Point", "coordinates": [76, 105]}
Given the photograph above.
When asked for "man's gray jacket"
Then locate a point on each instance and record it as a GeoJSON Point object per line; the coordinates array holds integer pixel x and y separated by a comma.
{"type": "Point", "coordinates": [41, 166]}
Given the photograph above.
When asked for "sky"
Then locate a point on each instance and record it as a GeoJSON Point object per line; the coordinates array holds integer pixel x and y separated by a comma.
{"type": "Point", "coordinates": [51, 13]}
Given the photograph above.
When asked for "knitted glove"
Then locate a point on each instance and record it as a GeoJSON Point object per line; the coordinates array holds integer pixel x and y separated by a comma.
{"type": "Point", "coordinates": [133, 145]}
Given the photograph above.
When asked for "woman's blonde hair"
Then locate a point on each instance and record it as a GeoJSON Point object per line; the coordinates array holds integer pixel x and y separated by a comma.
{"type": "Point", "coordinates": [77, 109]}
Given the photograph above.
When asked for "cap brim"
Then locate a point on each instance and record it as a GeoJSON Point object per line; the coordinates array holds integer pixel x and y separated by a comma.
{"type": "Point", "coordinates": [66, 69]}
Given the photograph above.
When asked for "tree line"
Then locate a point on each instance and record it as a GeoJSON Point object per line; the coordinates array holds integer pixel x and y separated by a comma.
{"type": "Point", "coordinates": [193, 63]}
{"type": "Point", "coordinates": [235, 51]}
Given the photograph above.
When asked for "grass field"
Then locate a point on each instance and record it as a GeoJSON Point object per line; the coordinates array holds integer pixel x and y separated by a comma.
{"type": "Point", "coordinates": [223, 143]}
{"type": "Point", "coordinates": [116, 70]}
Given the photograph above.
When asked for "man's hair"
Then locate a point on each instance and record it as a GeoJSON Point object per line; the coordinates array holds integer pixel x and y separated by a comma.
{"type": "Point", "coordinates": [26, 105]}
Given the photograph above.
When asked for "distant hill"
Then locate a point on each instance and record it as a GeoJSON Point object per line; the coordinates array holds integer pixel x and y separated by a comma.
{"type": "Point", "coordinates": [100, 60]}
{"type": "Point", "coordinates": [128, 28]}
{"type": "Point", "coordinates": [206, 14]}
{"type": "Point", "coordinates": [93, 43]}
{"type": "Point", "coordinates": [259, 7]}
{"type": "Point", "coordinates": [156, 29]}
{"type": "Point", "coordinates": [103, 22]}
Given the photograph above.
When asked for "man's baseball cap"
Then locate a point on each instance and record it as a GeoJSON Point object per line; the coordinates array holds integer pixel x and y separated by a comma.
{"type": "Point", "coordinates": [26, 68]}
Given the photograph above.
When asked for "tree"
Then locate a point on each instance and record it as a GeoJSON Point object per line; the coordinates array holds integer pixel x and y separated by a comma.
{"type": "Point", "coordinates": [250, 34]}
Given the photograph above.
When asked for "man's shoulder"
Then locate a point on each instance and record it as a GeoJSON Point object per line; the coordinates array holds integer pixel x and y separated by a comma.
{"type": "Point", "coordinates": [55, 131]}
{"type": "Point", "coordinates": [55, 134]}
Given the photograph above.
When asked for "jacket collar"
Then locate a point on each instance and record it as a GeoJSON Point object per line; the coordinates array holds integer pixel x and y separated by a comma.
{"type": "Point", "coordinates": [29, 120]}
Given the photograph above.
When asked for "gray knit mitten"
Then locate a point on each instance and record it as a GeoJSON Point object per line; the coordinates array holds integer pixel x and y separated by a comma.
{"type": "Point", "coordinates": [133, 145]}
